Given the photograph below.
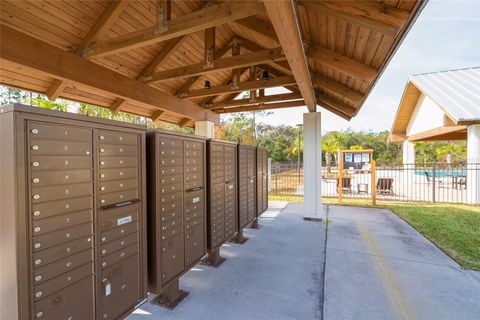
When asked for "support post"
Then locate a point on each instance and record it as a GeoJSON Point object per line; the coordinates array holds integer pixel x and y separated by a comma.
{"type": "Point", "coordinates": [408, 149]}
{"type": "Point", "coordinates": [373, 169]}
{"type": "Point", "coordinates": [205, 129]}
{"type": "Point", "coordinates": [473, 164]}
{"type": "Point", "coordinates": [340, 177]}
{"type": "Point", "coordinates": [171, 295]}
{"type": "Point", "coordinates": [269, 174]}
{"type": "Point", "coordinates": [213, 259]}
{"type": "Point", "coordinates": [312, 166]}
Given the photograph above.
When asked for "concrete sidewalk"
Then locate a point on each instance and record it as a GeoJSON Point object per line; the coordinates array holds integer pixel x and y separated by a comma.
{"type": "Point", "coordinates": [378, 267]}
{"type": "Point", "coordinates": [276, 274]}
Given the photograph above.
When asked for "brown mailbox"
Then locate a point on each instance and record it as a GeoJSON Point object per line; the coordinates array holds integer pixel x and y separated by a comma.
{"type": "Point", "coordinates": [222, 217]}
{"type": "Point", "coordinates": [262, 180]}
{"type": "Point", "coordinates": [176, 210]}
{"type": "Point", "coordinates": [73, 215]}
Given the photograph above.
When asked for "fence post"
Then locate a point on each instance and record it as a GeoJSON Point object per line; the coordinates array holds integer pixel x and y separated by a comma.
{"type": "Point", "coordinates": [373, 168]}
{"type": "Point", "coordinates": [340, 179]}
{"type": "Point", "coordinates": [433, 182]}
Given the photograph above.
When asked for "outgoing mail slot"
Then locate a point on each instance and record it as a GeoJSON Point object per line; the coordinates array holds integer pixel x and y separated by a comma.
{"type": "Point", "coordinates": [194, 184]}
{"type": "Point", "coordinates": [43, 194]}
{"type": "Point", "coordinates": [60, 236]}
{"type": "Point", "coordinates": [65, 148]}
{"type": "Point", "coordinates": [117, 197]}
{"type": "Point", "coordinates": [114, 213]}
{"type": "Point", "coordinates": [66, 304]}
{"type": "Point", "coordinates": [42, 226]}
{"type": "Point", "coordinates": [116, 174]}
{"type": "Point", "coordinates": [194, 245]}
{"type": "Point", "coordinates": [118, 185]}
{"type": "Point", "coordinates": [118, 256]}
{"type": "Point", "coordinates": [39, 163]}
{"type": "Point", "coordinates": [120, 288]}
{"type": "Point", "coordinates": [117, 137]}
{"type": "Point", "coordinates": [118, 232]}
{"type": "Point", "coordinates": [118, 150]}
{"type": "Point", "coordinates": [51, 131]}
{"type": "Point", "coordinates": [118, 244]}
{"type": "Point", "coordinates": [53, 285]}
{"type": "Point", "coordinates": [53, 208]}
{"type": "Point", "coordinates": [61, 251]}
{"type": "Point", "coordinates": [47, 178]}
{"type": "Point", "coordinates": [64, 265]}
{"type": "Point", "coordinates": [172, 259]}
{"type": "Point", "coordinates": [118, 162]}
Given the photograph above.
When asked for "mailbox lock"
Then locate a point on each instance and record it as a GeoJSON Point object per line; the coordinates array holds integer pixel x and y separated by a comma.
{"type": "Point", "coordinates": [36, 180]}
{"type": "Point", "coordinates": [38, 278]}
{"type": "Point", "coordinates": [39, 313]}
{"type": "Point", "coordinates": [102, 150]}
{"type": "Point", "coordinates": [38, 294]}
{"type": "Point", "coordinates": [38, 245]}
{"type": "Point", "coordinates": [87, 152]}
{"type": "Point", "coordinates": [102, 188]}
{"type": "Point", "coordinates": [37, 229]}
{"type": "Point", "coordinates": [35, 147]}
{"type": "Point", "coordinates": [104, 264]}
{"type": "Point", "coordinates": [36, 213]}
{"type": "Point", "coordinates": [36, 163]}
{"type": "Point", "coordinates": [101, 137]}
{"type": "Point", "coordinates": [35, 131]}
{"type": "Point", "coordinates": [102, 163]}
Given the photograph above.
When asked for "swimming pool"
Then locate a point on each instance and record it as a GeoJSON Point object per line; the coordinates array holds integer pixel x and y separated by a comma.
{"type": "Point", "coordinates": [440, 173]}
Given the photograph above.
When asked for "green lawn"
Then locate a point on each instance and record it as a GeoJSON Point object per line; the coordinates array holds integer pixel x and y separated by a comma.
{"type": "Point", "coordinates": [455, 228]}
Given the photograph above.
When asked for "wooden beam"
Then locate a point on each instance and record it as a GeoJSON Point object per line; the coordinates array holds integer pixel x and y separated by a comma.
{"type": "Point", "coordinates": [242, 86]}
{"type": "Point", "coordinates": [284, 19]}
{"type": "Point", "coordinates": [335, 106]}
{"type": "Point", "coordinates": [380, 18]}
{"type": "Point", "coordinates": [264, 106]}
{"type": "Point", "coordinates": [265, 99]}
{"type": "Point", "coordinates": [253, 77]}
{"type": "Point", "coordinates": [234, 62]}
{"type": "Point", "coordinates": [22, 49]}
{"type": "Point", "coordinates": [209, 47]}
{"type": "Point", "coordinates": [156, 115]}
{"type": "Point", "coordinates": [259, 26]}
{"type": "Point", "coordinates": [103, 24]}
{"type": "Point", "coordinates": [432, 134]}
{"type": "Point", "coordinates": [217, 14]}
{"type": "Point", "coordinates": [337, 88]}
{"type": "Point", "coordinates": [192, 80]}
{"type": "Point", "coordinates": [236, 73]}
{"type": "Point", "coordinates": [55, 89]}
{"type": "Point", "coordinates": [183, 122]}
{"type": "Point", "coordinates": [169, 48]}
{"type": "Point", "coordinates": [164, 15]}
{"type": "Point", "coordinates": [117, 105]}
{"type": "Point", "coordinates": [341, 63]}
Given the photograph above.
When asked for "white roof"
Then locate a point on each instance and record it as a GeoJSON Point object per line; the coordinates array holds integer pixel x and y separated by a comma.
{"type": "Point", "coordinates": [457, 92]}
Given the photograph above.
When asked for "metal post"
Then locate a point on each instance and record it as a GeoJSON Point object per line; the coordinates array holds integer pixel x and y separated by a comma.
{"type": "Point", "coordinates": [433, 182]}
{"type": "Point", "coordinates": [298, 162]}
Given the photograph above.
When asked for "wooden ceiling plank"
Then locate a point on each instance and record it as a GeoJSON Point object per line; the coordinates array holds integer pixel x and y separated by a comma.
{"type": "Point", "coordinates": [265, 99]}
{"type": "Point", "coordinates": [325, 83]}
{"type": "Point", "coordinates": [104, 22]}
{"type": "Point", "coordinates": [217, 14]}
{"type": "Point", "coordinates": [234, 62]}
{"type": "Point", "coordinates": [341, 63]}
{"type": "Point", "coordinates": [264, 106]}
{"type": "Point", "coordinates": [22, 49]}
{"type": "Point", "coordinates": [337, 104]}
{"type": "Point", "coordinates": [169, 48]}
{"type": "Point", "coordinates": [55, 89]}
{"type": "Point", "coordinates": [259, 26]}
{"type": "Point", "coordinates": [117, 105]}
{"type": "Point", "coordinates": [284, 20]}
{"type": "Point", "coordinates": [342, 12]}
{"type": "Point", "coordinates": [242, 86]}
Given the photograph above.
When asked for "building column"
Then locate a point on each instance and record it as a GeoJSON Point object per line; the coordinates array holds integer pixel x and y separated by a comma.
{"type": "Point", "coordinates": [205, 128]}
{"type": "Point", "coordinates": [473, 164]}
{"type": "Point", "coordinates": [312, 166]}
{"type": "Point", "coordinates": [408, 149]}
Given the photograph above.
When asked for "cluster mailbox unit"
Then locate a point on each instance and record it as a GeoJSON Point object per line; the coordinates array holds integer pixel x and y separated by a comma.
{"type": "Point", "coordinates": [176, 210]}
{"type": "Point", "coordinates": [222, 197]}
{"type": "Point", "coordinates": [262, 180]}
{"type": "Point", "coordinates": [73, 215]}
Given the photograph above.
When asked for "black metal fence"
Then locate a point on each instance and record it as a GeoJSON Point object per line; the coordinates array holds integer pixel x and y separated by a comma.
{"type": "Point", "coordinates": [433, 182]}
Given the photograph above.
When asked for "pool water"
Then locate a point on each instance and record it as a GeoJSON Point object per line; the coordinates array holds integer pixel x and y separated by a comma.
{"type": "Point", "coordinates": [440, 173]}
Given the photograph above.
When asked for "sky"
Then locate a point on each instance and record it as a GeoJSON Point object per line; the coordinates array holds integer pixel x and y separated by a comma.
{"type": "Point", "coordinates": [445, 36]}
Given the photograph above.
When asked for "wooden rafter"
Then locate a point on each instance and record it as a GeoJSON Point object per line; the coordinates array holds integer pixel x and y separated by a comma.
{"type": "Point", "coordinates": [335, 106]}
{"type": "Point", "coordinates": [281, 66]}
{"type": "Point", "coordinates": [103, 24]}
{"type": "Point", "coordinates": [337, 88]}
{"type": "Point", "coordinates": [217, 14]}
{"type": "Point", "coordinates": [284, 19]}
{"type": "Point", "coordinates": [55, 89]}
{"type": "Point", "coordinates": [266, 99]}
{"type": "Point", "coordinates": [183, 122]}
{"type": "Point", "coordinates": [344, 64]}
{"type": "Point", "coordinates": [259, 26]}
{"type": "Point", "coordinates": [242, 86]}
{"type": "Point", "coordinates": [264, 106]}
{"type": "Point", "coordinates": [164, 15]}
{"type": "Point", "coordinates": [234, 62]}
{"type": "Point", "coordinates": [209, 48]}
{"type": "Point", "coordinates": [381, 18]}
{"type": "Point", "coordinates": [19, 48]}
{"type": "Point", "coordinates": [169, 48]}
{"type": "Point", "coordinates": [117, 105]}
{"type": "Point", "coordinates": [156, 115]}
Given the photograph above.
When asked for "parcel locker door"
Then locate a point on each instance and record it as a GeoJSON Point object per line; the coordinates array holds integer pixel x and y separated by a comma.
{"type": "Point", "coordinates": [120, 287]}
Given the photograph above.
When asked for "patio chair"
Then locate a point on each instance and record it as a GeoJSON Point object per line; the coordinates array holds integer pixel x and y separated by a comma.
{"type": "Point", "coordinates": [460, 181]}
{"type": "Point", "coordinates": [430, 179]}
{"type": "Point", "coordinates": [346, 185]}
{"type": "Point", "coordinates": [385, 186]}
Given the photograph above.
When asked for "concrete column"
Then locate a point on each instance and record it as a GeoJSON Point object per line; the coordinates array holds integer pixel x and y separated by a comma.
{"type": "Point", "coordinates": [205, 128]}
{"type": "Point", "coordinates": [312, 166]}
{"type": "Point", "coordinates": [269, 166]}
{"type": "Point", "coordinates": [473, 164]}
{"type": "Point", "coordinates": [408, 149]}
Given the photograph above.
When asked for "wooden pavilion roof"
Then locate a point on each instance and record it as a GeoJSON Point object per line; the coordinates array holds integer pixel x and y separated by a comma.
{"type": "Point", "coordinates": [153, 57]}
